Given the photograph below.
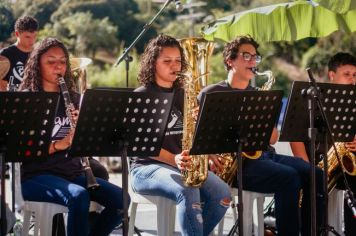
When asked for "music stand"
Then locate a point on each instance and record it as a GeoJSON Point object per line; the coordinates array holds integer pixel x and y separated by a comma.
{"type": "Point", "coordinates": [339, 107]}
{"type": "Point", "coordinates": [26, 123]}
{"type": "Point", "coordinates": [236, 121]}
{"type": "Point", "coordinates": [121, 123]}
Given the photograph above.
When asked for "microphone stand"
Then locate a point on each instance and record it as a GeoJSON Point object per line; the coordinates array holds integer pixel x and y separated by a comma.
{"type": "Point", "coordinates": [314, 97]}
{"type": "Point", "coordinates": [125, 55]}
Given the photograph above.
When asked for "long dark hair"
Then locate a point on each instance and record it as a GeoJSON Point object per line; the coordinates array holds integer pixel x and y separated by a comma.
{"type": "Point", "coordinates": [147, 71]}
{"type": "Point", "coordinates": [32, 80]}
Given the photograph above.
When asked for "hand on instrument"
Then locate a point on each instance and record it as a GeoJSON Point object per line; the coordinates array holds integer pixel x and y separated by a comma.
{"type": "Point", "coordinates": [66, 142]}
{"type": "Point", "coordinates": [351, 145]}
{"type": "Point", "coordinates": [75, 114]}
{"type": "Point", "coordinates": [183, 160]}
{"type": "Point", "coordinates": [195, 113]}
{"type": "Point", "coordinates": [214, 164]}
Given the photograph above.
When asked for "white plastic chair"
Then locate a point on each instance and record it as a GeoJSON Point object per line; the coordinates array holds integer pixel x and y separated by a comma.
{"type": "Point", "coordinates": [43, 213]}
{"type": "Point", "coordinates": [335, 209]}
{"type": "Point", "coordinates": [248, 205]}
{"type": "Point", "coordinates": [166, 211]}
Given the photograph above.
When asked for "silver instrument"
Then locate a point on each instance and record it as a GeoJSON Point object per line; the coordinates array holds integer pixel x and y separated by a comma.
{"type": "Point", "coordinates": [69, 107]}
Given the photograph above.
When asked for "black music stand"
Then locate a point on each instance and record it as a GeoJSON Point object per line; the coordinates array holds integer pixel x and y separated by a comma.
{"type": "Point", "coordinates": [26, 123]}
{"type": "Point", "coordinates": [121, 123]}
{"type": "Point", "coordinates": [236, 121]}
{"type": "Point", "coordinates": [338, 102]}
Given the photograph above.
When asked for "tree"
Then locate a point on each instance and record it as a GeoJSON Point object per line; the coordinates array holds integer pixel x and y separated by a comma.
{"type": "Point", "coordinates": [6, 21]}
{"type": "Point", "coordinates": [85, 35]}
{"type": "Point", "coordinates": [120, 13]}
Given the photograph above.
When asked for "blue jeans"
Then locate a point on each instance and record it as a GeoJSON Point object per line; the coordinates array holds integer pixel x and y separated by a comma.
{"type": "Point", "coordinates": [285, 176]}
{"type": "Point", "coordinates": [199, 210]}
{"type": "Point", "coordinates": [50, 188]}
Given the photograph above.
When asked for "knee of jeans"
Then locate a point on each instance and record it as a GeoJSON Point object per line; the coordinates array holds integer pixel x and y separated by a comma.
{"type": "Point", "coordinates": [186, 193]}
{"type": "Point", "coordinates": [293, 179]}
{"type": "Point", "coordinates": [197, 207]}
{"type": "Point", "coordinates": [225, 202]}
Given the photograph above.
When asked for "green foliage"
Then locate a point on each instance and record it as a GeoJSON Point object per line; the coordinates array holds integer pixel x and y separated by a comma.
{"type": "Point", "coordinates": [96, 28]}
{"type": "Point", "coordinates": [90, 34]}
{"type": "Point", "coordinates": [83, 34]}
{"type": "Point", "coordinates": [109, 76]}
{"type": "Point", "coordinates": [217, 70]}
{"type": "Point", "coordinates": [120, 13]}
{"type": "Point", "coordinates": [6, 21]}
{"type": "Point", "coordinates": [41, 10]}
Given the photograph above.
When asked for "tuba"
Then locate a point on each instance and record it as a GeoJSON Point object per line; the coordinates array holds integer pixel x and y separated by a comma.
{"type": "Point", "coordinates": [197, 52]}
{"type": "Point", "coordinates": [348, 164]}
{"type": "Point", "coordinates": [79, 72]}
{"type": "Point", "coordinates": [229, 160]}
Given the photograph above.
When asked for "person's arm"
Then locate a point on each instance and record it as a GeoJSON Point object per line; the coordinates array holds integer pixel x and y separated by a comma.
{"type": "Point", "coordinates": [351, 145]}
{"type": "Point", "coordinates": [274, 136]}
{"type": "Point", "coordinates": [61, 145]}
{"type": "Point", "coordinates": [3, 85]}
{"type": "Point", "coordinates": [298, 149]}
{"type": "Point", "coordinates": [66, 142]}
{"type": "Point", "coordinates": [180, 160]}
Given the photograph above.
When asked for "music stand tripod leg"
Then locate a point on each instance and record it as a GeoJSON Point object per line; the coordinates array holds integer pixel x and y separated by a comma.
{"type": "Point", "coordinates": [325, 224]}
{"type": "Point", "coordinates": [239, 222]}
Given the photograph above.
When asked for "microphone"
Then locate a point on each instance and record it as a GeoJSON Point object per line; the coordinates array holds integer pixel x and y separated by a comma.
{"type": "Point", "coordinates": [179, 6]}
{"type": "Point", "coordinates": [351, 202]}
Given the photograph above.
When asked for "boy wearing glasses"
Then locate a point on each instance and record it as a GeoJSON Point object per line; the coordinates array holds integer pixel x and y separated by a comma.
{"type": "Point", "coordinates": [282, 175]}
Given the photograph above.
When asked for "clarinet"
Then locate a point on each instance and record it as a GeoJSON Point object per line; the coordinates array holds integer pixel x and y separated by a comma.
{"type": "Point", "coordinates": [69, 107]}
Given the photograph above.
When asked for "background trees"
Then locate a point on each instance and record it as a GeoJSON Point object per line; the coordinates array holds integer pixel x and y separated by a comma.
{"type": "Point", "coordinates": [101, 29]}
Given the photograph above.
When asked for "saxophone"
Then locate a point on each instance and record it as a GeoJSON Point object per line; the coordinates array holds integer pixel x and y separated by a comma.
{"type": "Point", "coordinates": [348, 164]}
{"type": "Point", "coordinates": [229, 160]}
{"type": "Point", "coordinates": [91, 181]}
{"type": "Point", "coordinates": [197, 51]}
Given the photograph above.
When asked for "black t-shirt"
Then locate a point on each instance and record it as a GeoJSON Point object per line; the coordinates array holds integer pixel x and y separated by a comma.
{"type": "Point", "coordinates": [17, 60]}
{"type": "Point", "coordinates": [58, 163]}
{"type": "Point", "coordinates": [219, 87]}
{"type": "Point", "coordinates": [172, 141]}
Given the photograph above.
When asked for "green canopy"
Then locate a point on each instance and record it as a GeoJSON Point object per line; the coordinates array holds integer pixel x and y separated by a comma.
{"type": "Point", "coordinates": [339, 6]}
{"type": "Point", "coordinates": [281, 22]}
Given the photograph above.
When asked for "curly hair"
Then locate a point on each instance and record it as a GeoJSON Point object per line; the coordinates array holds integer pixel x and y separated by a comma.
{"type": "Point", "coordinates": [231, 49]}
{"type": "Point", "coordinates": [26, 24]}
{"type": "Point", "coordinates": [341, 59]}
{"type": "Point", "coordinates": [147, 70]}
{"type": "Point", "coordinates": [32, 80]}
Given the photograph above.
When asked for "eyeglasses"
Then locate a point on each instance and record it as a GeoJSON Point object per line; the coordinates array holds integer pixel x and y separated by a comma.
{"type": "Point", "coordinates": [248, 57]}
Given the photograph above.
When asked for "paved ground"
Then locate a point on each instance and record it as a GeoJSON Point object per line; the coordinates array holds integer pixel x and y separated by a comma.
{"type": "Point", "coordinates": [146, 214]}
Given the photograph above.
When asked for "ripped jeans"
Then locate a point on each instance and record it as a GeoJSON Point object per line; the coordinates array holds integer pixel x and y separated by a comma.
{"type": "Point", "coordinates": [199, 210]}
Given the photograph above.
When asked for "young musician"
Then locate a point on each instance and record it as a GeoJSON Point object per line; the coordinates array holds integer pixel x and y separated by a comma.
{"type": "Point", "coordinates": [26, 28]}
{"type": "Point", "coordinates": [282, 175]}
{"type": "Point", "coordinates": [199, 209]}
{"type": "Point", "coordinates": [341, 70]}
{"type": "Point", "coordinates": [61, 179]}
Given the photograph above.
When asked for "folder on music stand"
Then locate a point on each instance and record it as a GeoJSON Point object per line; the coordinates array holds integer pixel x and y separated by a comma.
{"type": "Point", "coordinates": [118, 123]}
{"type": "Point", "coordinates": [235, 121]}
{"type": "Point", "coordinates": [339, 105]}
{"type": "Point", "coordinates": [26, 123]}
